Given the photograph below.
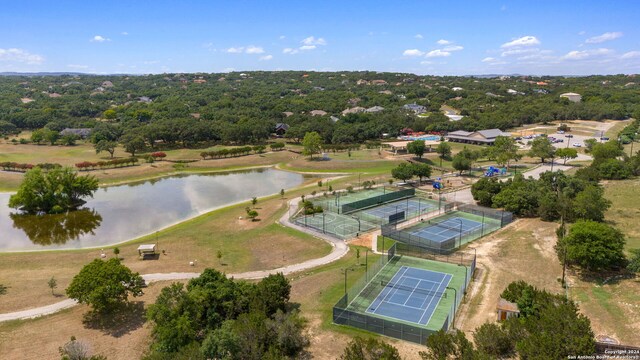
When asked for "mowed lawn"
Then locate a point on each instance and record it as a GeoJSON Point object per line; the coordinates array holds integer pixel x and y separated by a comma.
{"type": "Point", "coordinates": [245, 245]}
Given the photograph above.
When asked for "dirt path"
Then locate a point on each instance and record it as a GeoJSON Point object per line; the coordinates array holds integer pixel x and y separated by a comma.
{"type": "Point", "coordinates": [339, 249]}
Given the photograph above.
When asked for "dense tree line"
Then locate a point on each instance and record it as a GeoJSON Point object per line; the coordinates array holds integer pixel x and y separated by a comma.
{"type": "Point", "coordinates": [215, 317]}
{"type": "Point", "coordinates": [173, 110]}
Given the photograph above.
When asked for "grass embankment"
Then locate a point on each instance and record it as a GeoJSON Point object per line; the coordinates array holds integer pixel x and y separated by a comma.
{"type": "Point", "coordinates": [245, 246]}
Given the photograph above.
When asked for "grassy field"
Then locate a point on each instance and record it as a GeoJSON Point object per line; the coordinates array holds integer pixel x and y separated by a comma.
{"type": "Point", "coordinates": [625, 208]}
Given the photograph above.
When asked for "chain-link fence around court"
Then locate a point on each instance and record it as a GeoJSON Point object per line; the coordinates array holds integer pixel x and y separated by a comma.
{"type": "Point", "coordinates": [351, 308]}
{"type": "Point", "coordinates": [446, 233]}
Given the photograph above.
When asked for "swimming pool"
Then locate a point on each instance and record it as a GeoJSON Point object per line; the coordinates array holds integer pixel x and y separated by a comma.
{"type": "Point", "coordinates": [421, 137]}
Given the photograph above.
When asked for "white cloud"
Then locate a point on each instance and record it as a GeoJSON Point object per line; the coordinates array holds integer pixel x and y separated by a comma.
{"type": "Point", "coordinates": [452, 48]}
{"type": "Point", "coordinates": [266, 58]}
{"type": "Point", "coordinates": [418, 36]}
{"type": "Point", "coordinates": [523, 41]}
{"type": "Point", "coordinates": [585, 54]}
{"type": "Point", "coordinates": [290, 51]}
{"type": "Point", "coordinates": [99, 38]}
{"type": "Point", "coordinates": [438, 53]}
{"type": "Point", "coordinates": [443, 42]}
{"type": "Point", "coordinates": [512, 52]}
{"type": "Point", "coordinates": [20, 56]}
{"type": "Point", "coordinates": [488, 59]}
{"type": "Point", "coordinates": [426, 62]}
{"type": "Point", "coordinates": [631, 55]}
{"type": "Point", "coordinates": [124, 33]}
{"type": "Point", "coordinates": [503, 8]}
{"type": "Point", "coordinates": [412, 52]}
{"type": "Point", "coordinates": [235, 50]}
{"type": "Point", "coordinates": [254, 50]}
{"type": "Point", "coordinates": [582, 32]}
{"type": "Point", "coordinates": [282, 37]}
{"type": "Point", "coordinates": [313, 41]}
{"type": "Point", "coordinates": [604, 37]}
{"type": "Point", "coordinates": [76, 66]}
{"type": "Point", "coordinates": [307, 47]}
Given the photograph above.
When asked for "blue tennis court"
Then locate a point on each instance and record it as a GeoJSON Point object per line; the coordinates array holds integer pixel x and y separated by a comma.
{"type": "Point", "coordinates": [447, 229]}
{"type": "Point", "coordinates": [411, 295]}
{"type": "Point", "coordinates": [411, 206]}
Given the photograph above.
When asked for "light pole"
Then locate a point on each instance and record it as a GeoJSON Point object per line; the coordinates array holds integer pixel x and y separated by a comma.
{"type": "Point", "coordinates": [455, 296]}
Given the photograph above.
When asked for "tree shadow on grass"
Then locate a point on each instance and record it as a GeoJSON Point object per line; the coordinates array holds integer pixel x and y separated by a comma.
{"type": "Point", "coordinates": [121, 321]}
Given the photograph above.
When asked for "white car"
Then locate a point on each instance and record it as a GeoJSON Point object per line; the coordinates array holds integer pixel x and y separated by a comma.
{"type": "Point", "coordinates": [576, 145]}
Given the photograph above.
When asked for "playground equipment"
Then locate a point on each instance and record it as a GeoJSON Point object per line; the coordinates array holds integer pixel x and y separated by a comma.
{"type": "Point", "coordinates": [493, 171]}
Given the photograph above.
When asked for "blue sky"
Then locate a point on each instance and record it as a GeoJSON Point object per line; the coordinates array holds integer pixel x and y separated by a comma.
{"type": "Point", "coordinates": [422, 37]}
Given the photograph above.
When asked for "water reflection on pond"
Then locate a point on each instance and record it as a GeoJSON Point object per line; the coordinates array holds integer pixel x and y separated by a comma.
{"type": "Point", "coordinates": [121, 213]}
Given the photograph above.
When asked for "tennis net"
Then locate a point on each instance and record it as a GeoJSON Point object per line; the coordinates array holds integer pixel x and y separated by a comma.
{"type": "Point", "coordinates": [438, 294]}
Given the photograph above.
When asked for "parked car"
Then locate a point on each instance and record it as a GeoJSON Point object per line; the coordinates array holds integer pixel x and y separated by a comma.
{"type": "Point", "coordinates": [604, 138]}
{"type": "Point", "coordinates": [577, 145]}
{"type": "Point", "coordinates": [568, 136]}
{"type": "Point", "coordinates": [560, 131]}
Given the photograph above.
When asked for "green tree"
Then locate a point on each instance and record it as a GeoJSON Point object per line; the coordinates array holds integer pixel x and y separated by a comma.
{"type": "Point", "coordinates": [634, 261]}
{"type": "Point", "coordinates": [252, 214]}
{"type": "Point", "coordinates": [369, 349]}
{"type": "Point", "coordinates": [52, 283]}
{"type": "Point", "coordinates": [444, 151]}
{"type": "Point", "coordinates": [461, 163]}
{"type": "Point", "coordinates": [37, 136]}
{"type": "Point", "coordinates": [492, 340]}
{"type": "Point", "coordinates": [132, 143]}
{"type": "Point", "coordinates": [311, 143]}
{"type": "Point", "coordinates": [254, 201]}
{"type": "Point", "coordinates": [404, 171]}
{"type": "Point", "coordinates": [504, 150]}
{"type": "Point", "coordinates": [109, 114]}
{"type": "Point", "coordinates": [519, 196]}
{"type": "Point", "coordinates": [116, 251]}
{"type": "Point", "coordinates": [485, 189]}
{"type": "Point", "coordinates": [421, 170]}
{"type": "Point", "coordinates": [590, 204]}
{"type": "Point", "coordinates": [69, 139]}
{"type": "Point", "coordinates": [613, 169]}
{"type": "Point", "coordinates": [50, 136]}
{"type": "Point", "coordinates": [57, 190]}
{"type": "Point", "coordinates": [3, 289]}
{"type": "Point", "coordinates": [282, 193]}
{"type": "Point", "coordinates": [593, 246]}
{"type": "Point", "coordinates": [604, 151]}
{"type": "Point", "coordinates": [417, 147]}
{"type": "Point", "coordinates": [567, 154]}
{"type": "Point", "coordinates": [542, 148]}
{"type": "Point", "coordinates": [106, 145]}
{"type": "Point", "coordinates": [105, 285]}
{"type": "Point", "coordinates": [443, 345]}
{"type": "Point", "coordinates": [589, 144]}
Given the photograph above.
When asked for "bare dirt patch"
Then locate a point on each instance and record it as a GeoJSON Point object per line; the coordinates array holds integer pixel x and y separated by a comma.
{"type": "Point", "coordinates": [40, 338]}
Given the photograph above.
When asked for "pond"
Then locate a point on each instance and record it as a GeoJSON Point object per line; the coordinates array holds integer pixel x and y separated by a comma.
{"type": "Point", "coordinates": [120, 213]}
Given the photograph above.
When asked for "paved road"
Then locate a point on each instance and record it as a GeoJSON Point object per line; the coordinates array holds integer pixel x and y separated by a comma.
{"type": "Point", "coordinates": [339, 249]}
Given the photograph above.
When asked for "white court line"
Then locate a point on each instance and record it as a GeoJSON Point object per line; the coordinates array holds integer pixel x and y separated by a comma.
{"type": "Point", "coordinates": [412, 291]}
{"type": "Point", "coordinates": [429, 296]}
{"type": "Point", "coordinates": [437, 303]}
{"type": "Point", "coordinates": [425, 309]}
{"type": "Point", "coordinates": [387, 295]}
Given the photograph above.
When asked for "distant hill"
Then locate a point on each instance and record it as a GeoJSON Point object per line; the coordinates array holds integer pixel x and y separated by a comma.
{"type": "Point", "coordinates": [8, 73]}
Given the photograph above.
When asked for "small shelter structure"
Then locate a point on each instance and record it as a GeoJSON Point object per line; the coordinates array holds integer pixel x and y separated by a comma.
{"type": "Point", "coordinates": [506, 309]}
{"type": "Point", "coordinates": [145, 250]}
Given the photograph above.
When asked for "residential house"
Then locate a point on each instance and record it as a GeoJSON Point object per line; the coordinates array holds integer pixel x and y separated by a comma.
{"type": "Point", "coordinates": [287, 113]}
{"type": "Point", "coordinates": [457, 88]}
{"type": "Point", "coordinates": [83, 133]}
{"type": "Point", "coordinates": [378, 82]}
{"type": "Point", "coordinates": [334, 118]}
{"type": "Point", "coordinates": [573, 97]}
{"type": "Point", "coordinates": [145, 99]}
{"type": "Point", "coordinates": [281, 128]}
{"type": "Point", "coordinates": [418, 109]}
{"type": "Point", "coordinates": [107, 84]}
{"type": "Point", "coordinates": [374, 109]}
{"type": "Point", "coordinates": [353, 110]}
{"type": "Point", "coordinates": [318, 113]}
{"type": "Point", "coordinates": [482, 137]}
